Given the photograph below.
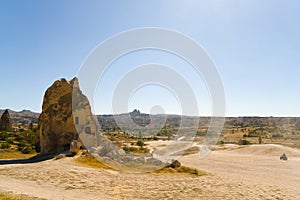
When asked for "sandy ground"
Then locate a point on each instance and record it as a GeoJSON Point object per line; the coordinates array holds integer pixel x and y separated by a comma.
{"type": "Point", "coordinates": [253, 172]}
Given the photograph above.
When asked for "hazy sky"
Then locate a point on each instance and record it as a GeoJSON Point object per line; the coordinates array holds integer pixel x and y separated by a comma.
{"type": "Point", "coordinates": [255, 45]}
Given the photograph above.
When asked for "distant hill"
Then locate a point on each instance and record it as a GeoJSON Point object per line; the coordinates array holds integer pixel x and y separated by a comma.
{"type": "Point", "coordinates": [23, 117]}
{"type": "Point", "coordinates": [23, 113]}
{"type": "Point", "coordinates": [279, 124]}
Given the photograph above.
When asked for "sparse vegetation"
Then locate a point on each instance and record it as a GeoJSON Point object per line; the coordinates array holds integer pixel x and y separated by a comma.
{"type": "Point", "coordinates": [244, 142]}
{"type": "Point", "coordinates": [137, 150]}
{"type": "Point", "coordinates": [5, 145]}
{"type": "Point", "coordinates": [15, 155]}
{"type": "Point", "coordinates": [11, 196]}
{"type": "Point", "coordinates": [15, 143]}
{"type": "Point", "coordinates": [181, 170]}
{"type": "Point", "coordinates": [277, 135]}
{"type": "Point", "coordinates": [20, 141]}
{"type": "Point", "coordinates": [3, 135]}
{"type": "Point", "coordinates": [90, 161]}
{"type": "Point", "coordinates": [140, 143]}
{"type": "Point", "coordinates": [260, 139]}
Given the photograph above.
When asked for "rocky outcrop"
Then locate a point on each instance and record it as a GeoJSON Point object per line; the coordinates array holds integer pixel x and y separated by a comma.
{"type": "Point", "coordinates": [5, 122]}
{"type": "Point", "coordinates": [67, 124]}
{"type": "Point", "coordinates": [174, 164]}
{"type": "Point", "coordinates": [64, 116]}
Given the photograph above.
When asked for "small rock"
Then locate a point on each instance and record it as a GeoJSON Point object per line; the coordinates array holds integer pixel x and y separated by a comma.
{"type": "Point", "coordinates": [153, 161]}
{"type": "Point", "coordinates": [175, 164]}
{"type": "Point", "coordinates": [60, 156]}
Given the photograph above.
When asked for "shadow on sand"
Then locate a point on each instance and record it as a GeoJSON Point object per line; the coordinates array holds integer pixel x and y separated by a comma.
{"type": "Point", "coordinates": [34, 159]}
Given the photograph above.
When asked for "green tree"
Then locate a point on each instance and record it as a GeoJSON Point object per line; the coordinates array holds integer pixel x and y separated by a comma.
{"type": "Point", "coordinates": [259, 139]}
{"type": "Point", "coordinates": [140, 143]}
{"type": "Point", "coordinates": [5, 145]}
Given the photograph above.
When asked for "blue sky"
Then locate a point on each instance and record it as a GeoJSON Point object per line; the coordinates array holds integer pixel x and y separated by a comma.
{"type": "Point", "coordinates": [255, 45]}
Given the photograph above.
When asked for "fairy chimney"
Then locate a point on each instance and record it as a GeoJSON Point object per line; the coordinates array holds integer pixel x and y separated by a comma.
{"type": "Point", "coordinates": [5, 121]}
{"type": "Point", "coordinates": [65, 114]}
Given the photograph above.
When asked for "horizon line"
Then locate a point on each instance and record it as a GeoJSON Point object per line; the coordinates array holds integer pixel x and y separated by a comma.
{"type": "Point", "coordinates": [226, 116]}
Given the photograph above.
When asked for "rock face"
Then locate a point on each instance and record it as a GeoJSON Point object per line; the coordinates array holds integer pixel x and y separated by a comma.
{"type": "Point", "coordinates": [65, 114]}
{"type": "Point", "coordinates": [5, 122]}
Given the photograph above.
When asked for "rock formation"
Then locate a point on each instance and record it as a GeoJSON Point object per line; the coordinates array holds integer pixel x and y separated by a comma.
{"type": "Point", "coordinates": [65, 114]}
{"type": "Point", "coordinates": [5, 122]}
{"type": "Point", "coordinates": [67, 124]}
{"type": "Point", "coordinates": [174, 164]}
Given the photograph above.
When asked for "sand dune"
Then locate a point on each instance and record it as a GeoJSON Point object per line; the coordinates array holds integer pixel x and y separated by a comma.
{"type": "Point", "coordinates": [268, 150]}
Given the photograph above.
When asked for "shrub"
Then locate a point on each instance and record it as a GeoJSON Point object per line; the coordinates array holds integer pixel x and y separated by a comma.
{"type": "Point", "coordinates": [253, 133]}
{"type": "Point", "coordinates": [22, 143]}
{"type": "Point", "coordinates": [5, 145]}
{"type": "Point", "coordinates": [201, 133]}
{"type": "Point", "coordinates": [221, 142]}
{"type": "Point", "coordinates": [3, 136]}
{"type": "Point", "coordinates": [188, 170]}
{"type": "Point", "coordinates": [18, 138]}
{"type": "Point", "coordinates": [9, 140]}
{"type": "Point", "coordinates": [136, 150]}
{"type": "Point", "coordinates": [244, 142]}
{"type": "Point", "coordinates": [182, 169]}
{"type": "Point", "coordinates": [277, 135]}
{"type": "Point", "coordinates": [27, 150]}
{"type": "Point", "coordinates": [140, 143]}
{"type": "Point", "coordinates": [34, 129]}
{"type": "Point", "coordinates": [260, 139]}
{"type": "Point", "coordinates": [126, 148]}
{"type": "Point", "coordinates": [31, 137]}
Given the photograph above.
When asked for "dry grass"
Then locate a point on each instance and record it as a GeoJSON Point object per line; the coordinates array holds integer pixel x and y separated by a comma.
{"type": "Point", "coordinates": [188, 170]}
{"type": "Point", "coordinates": [90, 161]}
{"type": "Point", "coordinates": [15, 155]}
{"type": "Point", "coordinates": [11, 196]}
{"type": "Point", "coordinates": [181, 170]}
{"type": "Point", "coordinates": [191, 150]}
